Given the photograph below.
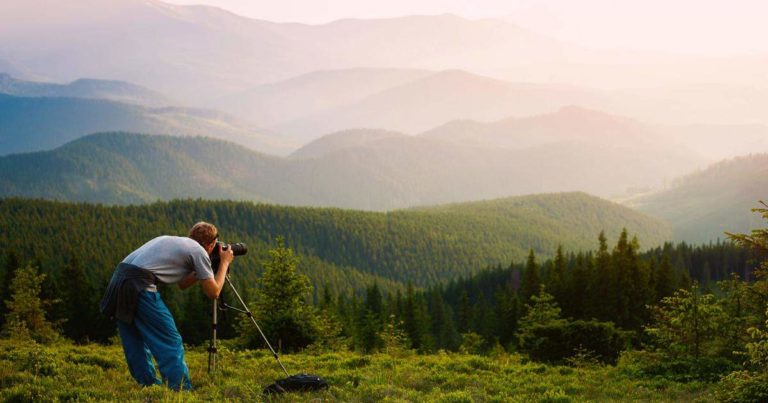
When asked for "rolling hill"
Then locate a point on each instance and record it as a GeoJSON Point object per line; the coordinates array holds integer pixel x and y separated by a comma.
{"type": "Point", "coordinates": [364, 169]}
{"type": "Point", "coordinates": [41, 123]}
{"type": "Point", "coordinates": [422, 104]}
{"type": "Point", "coordinates": [705, 204]}
{"type": "Point", "coordinates": [312, 93]}
{"type": "Point", "coordinates": [421, 246]}
{"type": "Point", "coordinates": [84, 88]}
{"type": "Point", "coordinates": [567, 124]}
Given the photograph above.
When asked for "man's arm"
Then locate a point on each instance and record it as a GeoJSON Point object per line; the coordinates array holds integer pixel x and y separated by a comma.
{"type": "Point", "coordinates": [212, 286]}
{"type": "Point", "coordinates": [188, 281]}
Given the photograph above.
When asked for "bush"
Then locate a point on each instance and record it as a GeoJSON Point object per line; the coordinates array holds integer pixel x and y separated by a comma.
{"type": "Point", "coordinates": [557, 341]}
{"type": "Point", "coordinates": [646, 364]}
{"type": "Point", "coordinates": [743, 386]}
{"type": "Point", "coordinates": [39, 361]}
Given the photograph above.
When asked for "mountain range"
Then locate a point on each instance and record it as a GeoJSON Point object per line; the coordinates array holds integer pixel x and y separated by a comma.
{"type": "Point", "coordinates": [412, 101]}
{"type": "Point", "coordinates": [85, 88]}
{"type": "Point", "coordinates": [201, 53]}
{"type": "Point", "coordinates": [41, 123]}
{"type": "Point", "coordinates": [360, 169]}
{"type": "Point", "coordinates": [704, 205]}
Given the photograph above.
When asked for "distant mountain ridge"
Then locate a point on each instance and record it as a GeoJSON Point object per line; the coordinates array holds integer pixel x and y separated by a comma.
{"type": "Point", "coordinates": [312, 93]}
{"type": "Point", "coordinates": [365, 169]}
{"type": "Point", "coordinates": [704, 205]}
{"type": "Point", "coordinates": [432, 100]}
{"type": "Point", "coordinates": [85, 88]}
{"type": "Point", "coordinates": [181, 45]}
{"type": "Point", "coordinates": [42, 123]}
{"type": "Point", "coordinates": [568, 124]}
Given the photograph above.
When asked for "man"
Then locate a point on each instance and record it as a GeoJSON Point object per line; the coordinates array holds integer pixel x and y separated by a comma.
{"type": "Point", "coordinates": [145, 325]}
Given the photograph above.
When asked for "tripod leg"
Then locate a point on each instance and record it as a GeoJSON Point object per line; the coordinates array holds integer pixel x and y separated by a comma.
{"type": "Point", "coordinates": [212, 346]}
{"type": "Point", "coordinates": [250, 315]}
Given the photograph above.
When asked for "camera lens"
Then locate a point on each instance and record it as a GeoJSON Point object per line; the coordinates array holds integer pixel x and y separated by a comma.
{"type": "Point", "coordinates": [239, 249]}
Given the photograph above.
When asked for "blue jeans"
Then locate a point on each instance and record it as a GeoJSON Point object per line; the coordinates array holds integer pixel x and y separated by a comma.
{"type": "Point", "coordinates": [153, 333]}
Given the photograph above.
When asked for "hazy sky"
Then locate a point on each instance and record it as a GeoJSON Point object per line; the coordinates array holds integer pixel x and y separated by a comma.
{"type": "Point", "coordinates": [688, 26]}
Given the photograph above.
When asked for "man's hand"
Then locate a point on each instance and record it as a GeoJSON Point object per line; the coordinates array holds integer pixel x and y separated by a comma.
{"type": "Point", "coordinates": [212, 286]}
{"type": "Point", "coordinates": [227, 256]}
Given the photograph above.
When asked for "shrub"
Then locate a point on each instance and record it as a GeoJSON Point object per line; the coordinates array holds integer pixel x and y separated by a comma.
{"type": "Point", "coordinates": [646, 364]}
{"type": "Point", "coordinates": [555, 342]}
{"type": "Point", "coordinates": [471, 343]}
{"type": "Point", "coordinates": [743, 386]}
{"type": "Point", "coordinates": [39, 361]}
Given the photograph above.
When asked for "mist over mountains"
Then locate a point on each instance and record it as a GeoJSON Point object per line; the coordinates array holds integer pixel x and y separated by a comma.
{"type": "Point", "coordinates": [85, 88]}
{"type": "Point", "coordinates": [200, 54]}
{"type": "Point", "coordinates": [41, 123]}
{"type": "Point", "coordinates": [367, 170]}
{"type": "Point", "coordinates": [704, 205]}
{"type": "Point", "coordinates": [367, 114]}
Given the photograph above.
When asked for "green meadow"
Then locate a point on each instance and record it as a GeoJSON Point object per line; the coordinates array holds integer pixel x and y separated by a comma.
{"type": "Point", "coordinates": [92, 372]}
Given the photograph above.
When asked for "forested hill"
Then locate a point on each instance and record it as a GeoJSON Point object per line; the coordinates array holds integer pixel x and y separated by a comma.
{"type": "Point", "coordinates": [42, 123]}
{"type": "Point", "coordinates": [84, 88]}
{"type": "Point", "coordinates": [359, 169]}
{"type": "Point", "coordinates": [341, 247]}
{"type": "Point", "coordinates": [702, 206]}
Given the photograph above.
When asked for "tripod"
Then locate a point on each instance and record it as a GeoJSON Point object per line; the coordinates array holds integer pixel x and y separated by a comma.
{"type": "Point", "coordinates": [212, 348]}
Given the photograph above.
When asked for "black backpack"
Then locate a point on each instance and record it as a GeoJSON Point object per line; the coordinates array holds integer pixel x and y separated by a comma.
{"type": "Point", "coordinates": [297, 383]}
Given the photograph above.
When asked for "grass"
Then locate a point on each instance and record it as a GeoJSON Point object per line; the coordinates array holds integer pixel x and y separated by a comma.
{"type": "Point", "coordinates": [65, 372]}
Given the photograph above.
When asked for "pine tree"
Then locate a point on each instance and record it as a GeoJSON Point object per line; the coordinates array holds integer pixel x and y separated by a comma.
{"type": "Point", "coordinates": [326, 303]}
{"type": "Point", "coordinates": [77, 303]}
{"type": "Point", "coordinates": [574, 304]}
{"type": "Point", "coordinates": [531, 282]}
{"type": "Point", "coordinates": [11, 265]}
{"type": "Point", "coordinates": [486, 321]}
{"type": "Point", "coordinates": [557, 280]}
{"type": "Point", "coordinates": [280, 306]}
{"type": "Point", "coordinates": [416, 321]}
{"type": "Point", "coordinates": [508, 312]}
{"type": "Point", "coordinates": [686, 323]}
{"type": "Point", "coordinates": [444, 331]}
{"type": "Point", "coordinates": [369, 322]}
{"type": "Point", "coordinates": [543, 310]}
{"type": "Point", "coordinates": [603, 283]}
{"type": "Point", "coordinates": [665, 282]}
{"type": "Point", "coordinates": [464, 315]}
{"type": "Point", "coordinates": [26, 311]}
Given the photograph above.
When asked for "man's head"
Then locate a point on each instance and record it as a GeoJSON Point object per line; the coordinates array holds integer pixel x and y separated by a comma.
{"type": "Point", "coordinates": [205, 234]}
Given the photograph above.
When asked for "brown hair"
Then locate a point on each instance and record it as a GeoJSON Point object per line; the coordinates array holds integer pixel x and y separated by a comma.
{"type": "Point", "coordinates": [204, 233]}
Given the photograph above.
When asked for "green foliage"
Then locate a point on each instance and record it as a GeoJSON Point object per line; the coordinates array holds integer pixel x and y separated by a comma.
{"type": "Point", "coordinates": [686, 324]}
{"type": "Point", "coordinates": [26, 314]}
{"type": "Point", "coordinates": [557, 342]}
{"type": "Point", "coordinates": [546, 337]}
{"type": "Point", "coordinates": [658, 365]}
{"type": "Point", "coordinates": [74, 375]}
{"type": "Point", "coordinates": [281, 310]}
{"type": "Point", "coordinates": [531, 282]}
{"type": "Point", "coordinates": [471, 343]}
{"type": "Point", "coordinates": [743, 387]}
{"type": "Point", "coordinates": [393, 338]}
{"type": "Point", "coordinates": [542, 311]}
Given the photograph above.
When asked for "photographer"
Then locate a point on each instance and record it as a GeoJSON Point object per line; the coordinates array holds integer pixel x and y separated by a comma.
{"type": "Point", "coordinates": [143, 320]}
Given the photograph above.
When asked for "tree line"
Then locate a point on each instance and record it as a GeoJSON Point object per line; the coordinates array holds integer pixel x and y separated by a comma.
{"type": "Point", "coordinates": [616, 285]}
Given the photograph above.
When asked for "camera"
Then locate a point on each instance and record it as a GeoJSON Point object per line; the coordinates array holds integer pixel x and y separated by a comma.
{"type": "Point", "coordinates": [238, 249]}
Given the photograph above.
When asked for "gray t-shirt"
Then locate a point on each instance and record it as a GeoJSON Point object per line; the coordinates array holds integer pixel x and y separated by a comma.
{"type": "Point", "coordinates": [171, 258]}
